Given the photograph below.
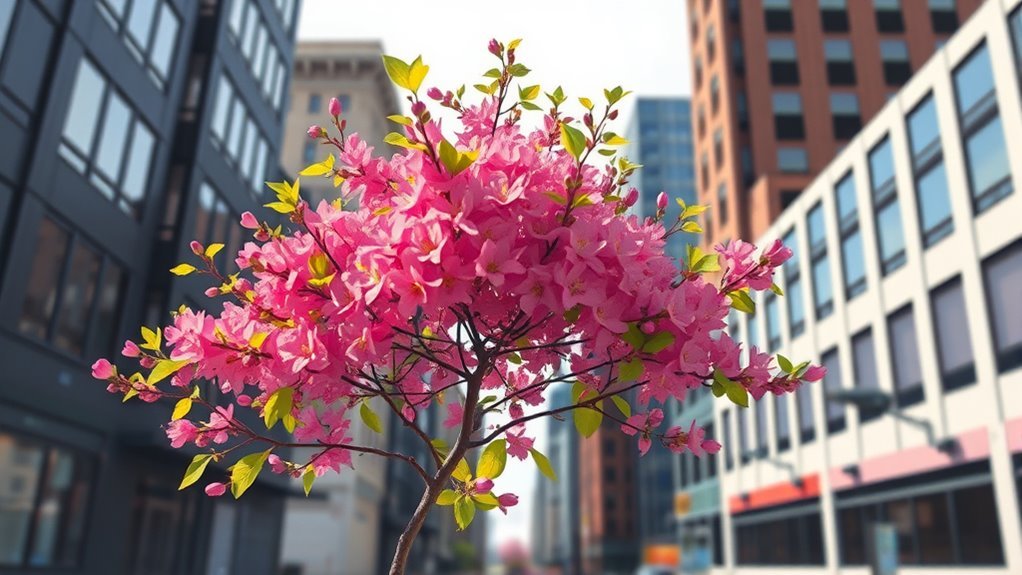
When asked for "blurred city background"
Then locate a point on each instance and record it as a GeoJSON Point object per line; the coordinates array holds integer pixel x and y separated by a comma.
{"type": "Point", "coordinates": [880, 139]}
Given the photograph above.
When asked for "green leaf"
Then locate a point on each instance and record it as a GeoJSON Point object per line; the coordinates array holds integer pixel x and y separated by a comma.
{"type": "Point", "coordinates": [280, 207]}
{"type": "Point", "coordinates": [556, 198]}
{"type": "Point", "coordinates": [398, 71]}
{"type": "Point", "coordinates": [634, 336]}
{"type": "Point", "coordinates": [588, 420]}
{"type": "Point", "coordinates": [518, 70]}
{"type": "Point", "coordinates": [785, 363]}
{"type": "Point", "coordinates": [493, 459]}
{"type": "Point", "coordinates": [741, 301]}
{"type": "Point", "coordinates": [278, 405]}
{"type": "Point", "coordinates": [195, 469]}
{"type": "Point", "coordinates": [571, 316]}
{"type": "Point", "coordinates": [735, 391]}
{"type": "Point", "coordinates": [402, 141]}
{"type": "Point", "coordinates": [163, 369]}
{"type": "Point", "coordinates": [464, 512]}
{"type": "Point", "coordinates": [515, 358]}
{"type": "Point", "coordinates": [447, 497]}
{"type": "Point", "coordinates": [573, 140]}
{"type": "Point", "coordinates": [440, 446]}
{"type": "Point", "coordinates": [543, 464]}
{"type": "Point", "coordinates": [622, 405]}
{"type": "Point", "coordinates": [529, 93]}
{"type": "Point", "coordinates": [612, 139]}
{"type": "Point", "coordinates": [399, 119]}
{"type": "Point", "coordinates": [691, 228]}
{"type": "Point", "coordinates": [777, 289]}
{"type": "Point", "coordinates": [586, 102]}
{"type": "Point", "coordinates": [182, 269]}
{"type": "Point", "coordinates": [659, 342]}
{"type": "Point", "coordinates": [416, 74]}
{"type": "Point", "coordinates": [530, 106]}
{"type": "Point", "coordinates": [486, 501]}
{"type": "Point", "coordinates": [151, 339]}
{"type": "Point", "coordinates": [632, 370]}
{"type": "Point", "coordinates": [370, 418]}
{"type": "Point", "coordinates": [307, 479]}
{"type": "Point", "coordinates": [319, 168]}
{"type": "Point", "coordinates": [513, 44]}
{"type": "Point", "coordinates": [245, 472]}
{"type": "Point", "coordinates": [462, 472]}
{"type": "Point", "coordinates": [492, 73]}
{"type": "Point", "coordinates": [181, 408]}
{"type": "Point", "coordinates": [717, 389]}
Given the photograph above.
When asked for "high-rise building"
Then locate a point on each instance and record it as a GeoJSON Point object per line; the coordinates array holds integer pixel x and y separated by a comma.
{"type": "Point", "coordinates": [130, 128]}
{"type": "Point", "coordinates": [780, 86]}
{"type": "Point", "coordinates": [352, 72]}
{"type": "Point", "coordinates": [555, 516]}
{"type": "Point", "coordinates": [660, 136]}
{"type": "Point", "coordinates": [339, 531]}
{"type": "Point", "coordinates": [904, 285]}
{"type": "Point", "coordinates": [608, 539]}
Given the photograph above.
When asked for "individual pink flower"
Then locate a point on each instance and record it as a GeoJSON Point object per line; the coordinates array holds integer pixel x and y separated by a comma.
{"type": "Point", "coordinates": [455, 414]}
{"type": "Point", "coordinates": [180, 432]}
{"type": "Point", "coordinates": [315, 132]}
{"type": "Point", "coordinates": [215, 489]}
{"type": "Point", "coordinates": [518, 446]}
{"type": "Point", "coordinates": [505, 501]}
{"type": "Point", "coordinates": [643, 424]}
{"type": "Point", "coordinates": [495, 262]}
{"type": "Point", "coordinates": [482, 485]}
{"type": "Point", "coordinates": [130, 349]}
{"type": "Point", "coordinates": [435, 93]}
{"type": "Point", "coordinates": [334, 107]}
{"type": "Point", "coordinates": [776, 254]}
{"type": "Point", "coordinates": [277, 465]}
{"type": "Point", "coordinates": [249, 221]}
{"type": "Point", "coordinates": [631, 197]}
{"type": "Point", "coordinates": [815, 373]}
{"type": "Point", "coordinates": [103, 369]}
{"type": "Point", "coordinates": [661, 201]}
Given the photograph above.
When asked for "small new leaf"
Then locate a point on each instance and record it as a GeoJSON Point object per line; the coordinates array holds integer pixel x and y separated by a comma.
{"type": "Point", "coordinates": [163, 369]}
{"type": "Point", "coordinates": [195, 469]}
{"type": "Point", "coordinates": [447, 497]}
{"type": "Point", "coordinates": [622, 405]}
{"type": "Point", "coordinates": [464, 512]}
{"type": "Point", "coordinates": [784, 363]}
{"type": "Point", "coordinates": [182, 269]}
{"type": "Point", "coordinates": [493, 459]}
{"type": "Point", "coordinates": [588, 420]}
{"type": "Point", "coordinates": [659, 342]}
{"type": "Point", "coordinates": [307, 479]}
{"type": "Point", "coordinates": [632, 370]}
{"type": "Point", "coordinates": [213, 249]}
{"type": "Point", "coordinates": [543, 464]}
{"type": "Point", "coordinates": [573, 140]}
{"type": "Point", "coordinates": [462, 472]}
{"type": "Point", "coordinates": [278, 405]}
{"type": "Point", "coordinates": [398, 70]}
{"type": "Point", "coordinates": [245, 472]}
{"type": "Point", "coordinates": [370, 418]}
{"type": "Point", "coordinates": [181, 408]}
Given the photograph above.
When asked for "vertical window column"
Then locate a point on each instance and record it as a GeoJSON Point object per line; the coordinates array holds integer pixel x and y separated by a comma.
{"type": "Point", "coordinates": [890, 237]}
{"type": "Point", "coordinates": [823, 297]}
{"type": "Point", "coordinates": [851, 237]}
{"type": "Point", "coordinates": [793, 287]}
{"type": "Point", "coordinates": [935, 220]}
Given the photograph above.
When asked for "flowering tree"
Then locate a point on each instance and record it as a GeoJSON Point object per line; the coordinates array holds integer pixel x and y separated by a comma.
{"type": "Point", "coordinates": [489, 259]}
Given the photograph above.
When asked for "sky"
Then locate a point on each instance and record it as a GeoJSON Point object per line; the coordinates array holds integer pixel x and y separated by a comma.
{"type": "Point", "coordinates": [582, 45]}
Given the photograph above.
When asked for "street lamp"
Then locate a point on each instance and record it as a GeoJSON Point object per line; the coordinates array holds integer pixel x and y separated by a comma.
{"type": "Point", "coordinates": [881, 401]}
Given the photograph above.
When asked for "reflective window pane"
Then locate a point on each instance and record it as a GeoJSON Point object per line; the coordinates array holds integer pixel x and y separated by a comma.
{"type": "Point", "coordinates": [76, 299]}
{"type": "Point", "coordinates": [934, 200]}
{"type": "Point", "coordinates": [109, 304]}
{"type": "Point", "coordinates": [988, 158]}
{"type": "Point", "coordinates": [933, 526]}
{"type": "Point", "coordinates": [1003, 276]}
{"type": "Point", "coordinates": [113, 138]}
{"type": "Point", "coordinates": [852, 263]}
{"type": "Point", "coordinates": [221, 110]}
{"type": "Point", "coordinates": [864, 358]}
{"type": "Point", "coordinates": [908, 374]}
{"type": "Point", "coordinates": [923, 126]}
{"type": "Point", "coordinates": [22, 462]}
{"type": "Point", "coordinates": [6, 12]}
{"type": "Point", "coordinates": [822, 289]}
{"type": "Point", "coordinates": [832, 384]}
{"type": "Point", "coordinates": [796, 309]}
{"type": "Point", "coordinates": [83, 110]}
{"type": "Point", "coordinates": [881, 164]}
{"type": "Point", "coordinates": [978, 528]}
{"type": "Point", "coordinates": [973, 80]}
{"type": "Point", "coordinates": [817, 233]}
{"type": "Point", "coordinates": [136, 175]}
{"type": "Point", "coordinates": [891, 238]}
{"type": "Point", "coordinates": [846, 202]}
{"type": "Point", "coordinates": [951, 323]}
{"type": "Point", "coordinates": [60, 514]}
{"type": "Point", "coordinates": [165, 41]}
{"type": "Point", "coordinates": [43, 280]}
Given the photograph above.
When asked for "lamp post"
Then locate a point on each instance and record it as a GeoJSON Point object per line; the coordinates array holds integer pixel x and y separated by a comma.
{"type": "Point", "coordinates": [880, 401]}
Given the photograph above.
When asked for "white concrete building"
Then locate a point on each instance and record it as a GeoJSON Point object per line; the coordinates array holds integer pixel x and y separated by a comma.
{"type": "Point", "coordinates": [906, 284]}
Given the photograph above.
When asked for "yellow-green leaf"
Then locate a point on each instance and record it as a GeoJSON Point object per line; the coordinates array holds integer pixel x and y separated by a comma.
{"type": "Point", "coordinates": [195, 470]}
{"type": "Point", "coordinates": [464, 512]}
{"type": "Point", "coordinates": [151, 339]}
{"type": "Point", "coordinates": [529, 93]}
{"type": "Point", "coordinates": [632, 370]}
{"type": "Point", "coordinates": [416, 74]}
{"type": "Point", "coordinates": [181, 408]}
{"type": "Point", "coordinates": [587, 103]}
{"type": "Point", "coordinates": [447, 497]}
{"type": "Point", "coordinates": [278, 405]}
{"type": "Point", "coordinates": [308, 478]}
{"type": "Point", "coordinates": [691, 227]}
{"type": "Point", "coordinates": [370, 418]}
{"type": "Point", "coordinates": [213, 249]}
{"type": "Point", "coordinates": [462, 472]}
{"type": "Point", "coordinates": [401, 140]}
{"type": "Point", "coordinates": [573, 140]}
{"type": "Point", "coordinates": [658, 342]}
{"type": "Point", "coordinates": [588, 420]}
{"type": "Point", "coordinates": [543, 464]}
{"type": "Point", "coordinates": [399, 119]}
{"type": "Point", "coordinates": [163, 369]}
{"type": "Point", "coordinates": [622, 405]}
{"type": "Point", "coordinates": [614, 140]}
{"type": "Point", "coordinates": [485, 501]}
{"type": "Point", "coordinates": [319, 168]}
{"type": "Point", "coordinates": [280, 207]}
{"type": "Point", "coordinates": [492, 461]}
{"type": "Point", "coordinates": [398, 71]}
{"type": "Point", "coordinates": [513, 45]}
{"type": "Point", "coordinates": [182, 269]}
{"type": "Point", "coordinates": [245, 472]}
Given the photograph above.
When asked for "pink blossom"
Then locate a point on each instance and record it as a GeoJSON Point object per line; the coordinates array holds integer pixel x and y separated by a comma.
{"type": "Point", "coordinates": [814, 373]}
{"type": "Point", "coordinates": [518, 446]}
{"type": "Point", "coordinates": [130, 349]}
{"type": "Point", "coordinates": [315, 132]}
{"type": "Point", "coordinates": [435, 93]}
{"type": "Point", "coordinates": [180, 432]}
{"type": "Point", "coordinates": [215, 489]}
{"type": "Point", "coordinates": [483, 485]}
{"type": "Point", "coordinates": [249, 221]}
{"type": "Point", "coordinates": [103, 369]}
{"type": "Point", "coordinates": [455, 413]}
{"type": "Point", "coordinates": [661, 201]}
{"type": "Point", "coordinates": [631, 197]}
{"type": "Point", "coordinates": [505, 501]}
{"type": "Point", "coordinates": [334, 107]}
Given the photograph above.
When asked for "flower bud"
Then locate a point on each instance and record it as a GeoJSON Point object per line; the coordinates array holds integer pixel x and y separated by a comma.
{"type": "Point", "coordinates": [216, 489]}
{"type": "Point", "coordinates": [212, 292]}
{"type": "Point", "coordinates": [435, 93]}
{"type": "Point", "coordinates": [130, 349]}
{"type": "Point", "coordinates": [483, 485]}
{"type": "Point", "coordinates": [631, 197]}
{"type": "Point", "coordinates": [661, 201]}
{"type": "Point", "coordinates": [648, 327]}
{"type": "Point", "coordinates": [249, 222]}
{"type": "Point", "coordinates": [316, 132]}
{"type": "Point", "coordinates": [196, 248]}
{"type": "Point", "coordinates": [147, 362]}
{"type": "Point", "coordinates": [102, 369]}
{"type": "Point", "coordinates": [243, 400]}
{"type": "Point", "coordinates": [612, 115]}
{"type": "Point", "coordinates": [418, 108]}
{"type": "Point", "coordinates": [494, 47]}
{"type": "Point", "coordinates": [335, 107]}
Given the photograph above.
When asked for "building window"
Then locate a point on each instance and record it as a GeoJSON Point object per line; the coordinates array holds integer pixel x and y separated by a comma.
{"type": "Point", "coordinates": [704, 171]}
{"type": "Point", "coordinates": [908, 373]}
{"type": "Point", "coordinates": [1002, 273]}
{"type": "Point", "coordinates": [722, 202]}
{"type": "Point", "coordinates": [745, 157]}
{"type": "Point", "coordinates": [788, 198]}
{"type": "Point", "coordinates": [762, 434]}
{"type": "Point", "coordinates": [718, 147]}
{"type": "Point", "coordinates": [106, 141]}
{"type": "Point", "coordinates": [737, 57]}
{"type": "Point", "coordinates": [844, 109]}
{"type": "Point", "coordinates": [823, 296]}
{"type": "Point", "coordinates": [985, 150]}
{"type": "Point", "coordinates": [793, 540]}
{"type": "Point", "coordinates": [777, 14]}
{"type": "Point", "coordinates": [864, 362]}
{"type": "Point", "coordinates": [711, 42]}
{"type": "Point", "coordinates": [781, 422]}
{"type": "Point", "coordinates": [840, 65]}
{"type": "Point", "coordinates": [835, 410]}
{"type": "Point", "coordinates": [149, 29]}
{"type": "Point", "coordinates": [851, 238]}
{"type": "Point", "coordinates": [888, 13]}
{"type": "Point", "coordinates": [806, 425]}
{"type": "Point", "coordinates": [943, 16]}
{"type": "Point", "coordinates": [725, 422]}
{"type": "Point", "coordinates": [248, 30]}
{"type": "Point", "coordinates": [894, 55]}
{"type": "Point", "coordinates": [793, 287]}
{"type": "Point", "coordinates": [744, 446]}
{"type": "Point", "coordinates": [954, 346]}
{"type": "Point", "coordinates": [787, 108]}
{"type": "Point", "coordinates": [235, 134]}
{"type": "Point", "coordinates": [73, 299]}
{"type": "Point", "coordinates": [309, 152]}
{"type": "Point", "coordinates": [891, 240]}
{"type": "Point", "coordinates": [216, 223]}
{"type": "Point", "coordinates": [714, 94]}
{"type": "Point", "coordinates": [315, 103]}
{"type": "Point", "coordinates": [743, 111]}
{"type": "Point", "coordinates": [6, 15]}
{"type": "Point", "coordinates": [928, 166]}
{"type": "Point", "coordinates": [43, 502]}
{"type": "Point", "coordinates": [699, 72]}
{"type": "Point", "coordinates": [834, 15]}
{"type": "Point", "coordinates": [701, 120]}
{"type": "Point", "coordinates": [783, 62]}
{"type": "Point", "coordinates": [773, 323]}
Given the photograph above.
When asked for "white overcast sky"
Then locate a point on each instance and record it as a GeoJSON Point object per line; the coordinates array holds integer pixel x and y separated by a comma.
{"type": "Point", "coordinates": [582, 45]}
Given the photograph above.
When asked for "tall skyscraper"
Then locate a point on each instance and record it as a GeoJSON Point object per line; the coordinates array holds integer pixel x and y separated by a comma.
{"type": "Point", "coordinates": [903, 284]}
{"type": "Point", "coordinates": [555, 515]}
{"type": "Point", "coordinates": [780, 86]}
{"type": "Point", "coordinates": [660, 136]}
{"type": "Point", "coordinates": [130, 128]}
{"type": "Point", "coordinates": [607, 499]}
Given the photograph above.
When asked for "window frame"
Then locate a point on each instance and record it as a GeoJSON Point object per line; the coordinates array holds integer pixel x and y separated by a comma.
{"type": "Point", "coordinates": [924, 163]}
{"type": "Point", "coordinates": [818, 256]}
{"type": "Point", "coordinates": [964, 375]}
{"type": "Point", "coordinates": [885, 197]}
{"type": "Point", "coordinates": [849, 230]}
